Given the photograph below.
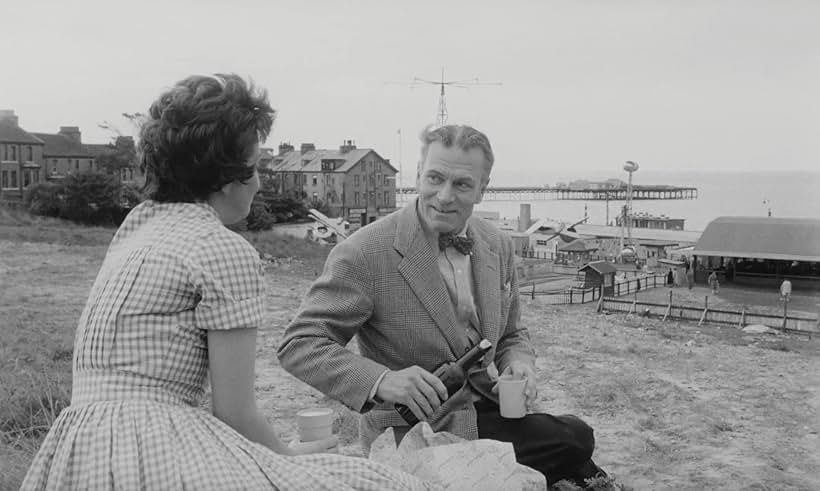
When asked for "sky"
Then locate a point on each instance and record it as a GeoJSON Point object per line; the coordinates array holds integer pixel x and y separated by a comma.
{"type": "Point", "coordinates": [677, 86]}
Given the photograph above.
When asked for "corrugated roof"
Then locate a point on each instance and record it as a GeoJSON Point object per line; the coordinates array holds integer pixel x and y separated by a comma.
{"type": "Point", "coordinates": [602, 267]}
{"type": "Point", "coordinates": [791, 239]}
{"type": "Point", "coordinates": [577, 245]}
{"type": "Point", "coordinates": [671, 236]}
{"type": "Point", "coordinates": [311, 161]}
{"type": "Point", "coordinates": [11, 133]}
{"type": "Point", "coordinates": [62, 146]}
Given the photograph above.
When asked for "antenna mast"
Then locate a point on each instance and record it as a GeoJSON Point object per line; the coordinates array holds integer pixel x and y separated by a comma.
{"type": "Point", "coordinates": [441, 113]}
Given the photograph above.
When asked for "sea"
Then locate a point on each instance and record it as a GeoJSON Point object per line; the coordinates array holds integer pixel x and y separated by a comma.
{"type": "Point", "coordinates": [779, 194]}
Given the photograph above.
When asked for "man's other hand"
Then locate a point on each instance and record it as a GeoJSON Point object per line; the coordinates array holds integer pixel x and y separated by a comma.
{"type": "Point", "coordinates": [416, 388]}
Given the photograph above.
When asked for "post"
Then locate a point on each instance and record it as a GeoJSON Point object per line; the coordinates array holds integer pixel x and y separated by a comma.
{"type": "Point", "coordinates": [634, 307]}
{"type": "Point", "coordinates": [668, 307]}
{"type": "Point", "coordinates": [742, 316]}
{"type": "Point", "coordinates": [705, 309]}
{"type": "Point", "coordinates": [533, 291]}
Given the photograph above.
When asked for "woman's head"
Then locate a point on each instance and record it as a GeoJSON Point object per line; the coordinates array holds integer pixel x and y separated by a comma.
{"type": "Point", "coordinates": [200, 135]}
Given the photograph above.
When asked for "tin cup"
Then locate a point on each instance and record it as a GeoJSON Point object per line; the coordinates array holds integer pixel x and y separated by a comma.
{"type": "Point", "coordinates": [315, 424]}
{"type": "Point", "coordinates": [511, 398]}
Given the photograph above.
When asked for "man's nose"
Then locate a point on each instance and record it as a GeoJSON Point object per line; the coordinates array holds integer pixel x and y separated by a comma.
{"type": "Point", "coordinates": [445, 193]}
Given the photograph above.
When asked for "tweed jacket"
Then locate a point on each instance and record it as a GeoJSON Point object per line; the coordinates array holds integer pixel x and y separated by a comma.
{"type": "Point", "coordinates": [383, 286]}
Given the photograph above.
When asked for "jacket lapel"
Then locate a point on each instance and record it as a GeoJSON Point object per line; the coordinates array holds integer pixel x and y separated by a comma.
{"type": "Point", "coordinates": [419, 268]}
{"type": "Point", "coordinates": [485, 277]}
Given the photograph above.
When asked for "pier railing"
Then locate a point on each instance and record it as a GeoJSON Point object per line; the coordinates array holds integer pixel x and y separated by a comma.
{"type": "Point", "coordinates": [534, 193]}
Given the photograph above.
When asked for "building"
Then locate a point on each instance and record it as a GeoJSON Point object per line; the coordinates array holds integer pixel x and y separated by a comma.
{"type": "Point", "coordinates": [760, 251]}
{"type": "Point", "coordinates": [357, 184]}
{"type": "Point", "coordinates": [646, 220]}
{"type": "Point", "coordinates": [599, 273]}
{"type": "Point", "coordinates": [27, 158]}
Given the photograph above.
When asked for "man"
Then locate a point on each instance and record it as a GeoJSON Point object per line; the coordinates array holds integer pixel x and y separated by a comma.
{"type": "Point", "coordinates": [414, 302]}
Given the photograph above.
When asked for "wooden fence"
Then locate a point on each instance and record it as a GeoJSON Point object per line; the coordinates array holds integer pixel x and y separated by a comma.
{"type": "Point", "coordinates": [577, 295]}
{"type": "Point", "coordinates": [705, 314]}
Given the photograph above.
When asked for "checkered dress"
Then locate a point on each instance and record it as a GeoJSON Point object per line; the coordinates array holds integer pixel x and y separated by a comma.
{"type": "Point", "coordinates": [172, 273]}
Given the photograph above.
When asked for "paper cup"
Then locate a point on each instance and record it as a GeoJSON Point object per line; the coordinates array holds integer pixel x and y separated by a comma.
{"type": "Point", "coordinates": [511, 396]}
{"type": "Point", "coordinates": [315, 424]}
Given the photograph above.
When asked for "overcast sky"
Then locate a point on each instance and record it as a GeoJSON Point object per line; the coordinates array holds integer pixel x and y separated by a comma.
{"type": "Point", "coordinates": [674, 85]}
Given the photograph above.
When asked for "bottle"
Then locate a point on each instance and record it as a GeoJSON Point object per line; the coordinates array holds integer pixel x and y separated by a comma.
{"type": "Point", "coordinates": [452, 374]}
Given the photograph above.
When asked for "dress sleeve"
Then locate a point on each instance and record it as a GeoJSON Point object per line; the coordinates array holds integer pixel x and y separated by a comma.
{"type": "Point", "coordinates": [228, 279]}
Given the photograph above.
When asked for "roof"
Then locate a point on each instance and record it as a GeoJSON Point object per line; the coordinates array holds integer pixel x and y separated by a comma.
{"type": "Point", "coordinates": [577, 245]}
{"type": "Point", "coordinates": [670, 236]}
{"type": "Point", "coordinates": [791, 239]}
{"type": "Point", "coordinates": [311, 161]}
{"type": "Point", "coordinates": [602, 267]}
{"type": "Point", "coordinates": [62, 146]}
{"type": "Point", "coordinates": [11, 133]}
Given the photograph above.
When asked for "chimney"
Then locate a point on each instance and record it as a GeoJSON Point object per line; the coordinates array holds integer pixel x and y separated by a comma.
{"type": "Point", "coordinates": [285, 148]}
{"type": "Point", "coordinates": [347, 146]}
{"type": "Point", "coordinates": [8, 115]}
{"type": "Point", "coordinates": [72, 132]}
{"type": "Point", "coordinates": [524, 221]}
{"type": "Point", "coordinates": [307, 147]}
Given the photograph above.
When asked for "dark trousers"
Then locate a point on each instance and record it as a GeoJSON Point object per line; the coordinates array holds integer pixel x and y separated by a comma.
{"type": "Point", "coordinates": [560, 447]}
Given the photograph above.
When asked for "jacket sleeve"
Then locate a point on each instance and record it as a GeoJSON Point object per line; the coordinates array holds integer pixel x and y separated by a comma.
{"type": "Point", "coordinates": [514, 342]}
{"type": "Point", "coordinates": [335, 308]}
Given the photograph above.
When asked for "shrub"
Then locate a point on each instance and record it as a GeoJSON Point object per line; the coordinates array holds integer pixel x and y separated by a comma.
{"type": "Point", "coordinates": [91, 198]}
{"type": "Point", "coordinates": [44, 198]}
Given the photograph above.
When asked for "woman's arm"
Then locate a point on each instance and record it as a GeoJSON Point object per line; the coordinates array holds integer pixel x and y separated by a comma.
{"type": "Point", "coordinates": [232, 354]}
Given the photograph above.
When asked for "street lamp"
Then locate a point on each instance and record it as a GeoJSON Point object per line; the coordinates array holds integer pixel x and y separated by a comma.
{"type": "Point", "coordinates": [630, 167]}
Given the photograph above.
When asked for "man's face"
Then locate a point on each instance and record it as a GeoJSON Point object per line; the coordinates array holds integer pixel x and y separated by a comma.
{"type": "Point", "coordinates": [450, 182]}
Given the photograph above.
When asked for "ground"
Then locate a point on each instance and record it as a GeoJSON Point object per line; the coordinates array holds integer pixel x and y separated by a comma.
{"type": "Point", "coordinates": [674, 406]}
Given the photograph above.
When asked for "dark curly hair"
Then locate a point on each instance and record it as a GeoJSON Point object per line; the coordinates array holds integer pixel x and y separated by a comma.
{"type": "Point", "coordinates": [199, 135]}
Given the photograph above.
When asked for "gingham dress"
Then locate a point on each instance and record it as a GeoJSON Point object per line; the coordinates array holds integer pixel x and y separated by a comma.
{"type": "Point", "coordinates": [172, 272]}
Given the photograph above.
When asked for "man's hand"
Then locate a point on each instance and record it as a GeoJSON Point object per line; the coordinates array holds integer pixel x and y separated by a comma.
{"type": "Point", "coordinates": [416, 388]}
{"type": "Point", "coordinates": [520, 369]}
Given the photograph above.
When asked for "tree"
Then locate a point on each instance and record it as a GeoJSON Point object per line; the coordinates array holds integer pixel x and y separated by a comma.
{"type": "Point", "coordinates": [92, 198]}
{"type": "Point", "coordinates": [122, 154]}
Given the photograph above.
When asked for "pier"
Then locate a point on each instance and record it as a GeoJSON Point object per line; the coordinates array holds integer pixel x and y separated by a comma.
{"type": "Point", "coordinates": [533, 193]}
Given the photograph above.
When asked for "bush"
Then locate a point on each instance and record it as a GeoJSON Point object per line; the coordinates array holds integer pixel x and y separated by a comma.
{"type": "Point", "coordinates": [44, 198]}
{"type": "Point", "coordinates": [91, 198]}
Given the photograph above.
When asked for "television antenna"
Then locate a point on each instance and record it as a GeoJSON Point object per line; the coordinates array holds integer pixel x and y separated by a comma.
{"type": "Point", "coordinates": [441, 113]}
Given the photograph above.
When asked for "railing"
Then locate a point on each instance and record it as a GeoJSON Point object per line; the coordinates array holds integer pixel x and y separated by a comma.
{"type": "Point", "coordinates": [704, 314]}
{"type": "Point", "coordinates": [585, 295]}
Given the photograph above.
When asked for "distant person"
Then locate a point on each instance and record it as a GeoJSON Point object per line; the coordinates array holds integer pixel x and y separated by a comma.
{"type": "Point", "coordinates": [786, 290]}
{"type": "Point", "coordinates": [714, 285]}
{"type": "Point", "coordinates": [417, 288]}
{"type": "Point", "coordinates": [690, 277]}
{"type": "Point", "coordinates": [178, 300]}
{"type": "Point", "coordinates": [670, 278]}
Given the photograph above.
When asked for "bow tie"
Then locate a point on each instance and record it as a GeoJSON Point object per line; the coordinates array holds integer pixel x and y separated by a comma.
{"type": "Point", "coordinates": [463, 245]}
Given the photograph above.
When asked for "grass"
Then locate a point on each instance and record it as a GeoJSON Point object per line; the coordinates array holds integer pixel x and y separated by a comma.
{"type": "Point", "coordinates": [673, 405]}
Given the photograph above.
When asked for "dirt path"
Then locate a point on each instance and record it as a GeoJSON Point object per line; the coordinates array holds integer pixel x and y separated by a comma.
{"type": "Point", "coordinates": [673, 406]}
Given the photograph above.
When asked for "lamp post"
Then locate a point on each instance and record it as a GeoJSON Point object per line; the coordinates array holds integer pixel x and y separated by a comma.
{"type": "Point", "coordinates": [630, 167]}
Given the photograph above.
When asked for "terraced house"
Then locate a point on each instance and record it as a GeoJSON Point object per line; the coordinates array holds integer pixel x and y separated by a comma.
{"type": "Point", "coordinates": [355, 183]}
{"type": "Point", "coordinates": [27, 158]}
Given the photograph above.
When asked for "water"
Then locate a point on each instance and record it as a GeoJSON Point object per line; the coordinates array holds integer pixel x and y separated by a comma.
{"type": "Point", "coordinates": [788, 194]}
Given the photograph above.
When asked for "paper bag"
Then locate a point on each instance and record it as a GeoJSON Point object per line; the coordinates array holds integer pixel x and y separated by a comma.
{"type": "Point", "coordinates": [456, 463]}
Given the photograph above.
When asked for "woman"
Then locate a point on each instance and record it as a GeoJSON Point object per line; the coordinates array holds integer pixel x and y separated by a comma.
{"type": "Point", "coordinates": [179, 296]}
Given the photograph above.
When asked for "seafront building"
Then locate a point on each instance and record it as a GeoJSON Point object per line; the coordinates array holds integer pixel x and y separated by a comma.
{"type": "Point", "coordinates": [27, 158]}
{"type": "Point", "coordinates": [354, 183]}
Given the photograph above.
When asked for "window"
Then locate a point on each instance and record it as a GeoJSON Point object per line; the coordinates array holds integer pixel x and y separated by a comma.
{"type": "Point", "coordinates": [304, 179]}
{"type": "Point", "coordinates": [14, 153]}
{"type": "Point", "coordinates": [13, 181]}
{"type": "Point", "coordinates": [372, 181]}
{"type": "Point", "coordinates": [315, 180]}
{"type": "Point", "coordinates": [5, 183]}
{"type": "Point", "coordinates": [26, 178]}
{"type": "Point", "coordinates": [387, 197]}
{"type": "Point", "coordinates": [378, 178]}
{"type": "Point", "coordinates": [386, 180]}
{"type": "Point", "coordinates": [355, 195]}
{"type": "Point", "coordinates": [356, 180]}
{"type": "Point", "coordinates": [29, 154]}
{"type": "Point", "coordinates": [77, 165]}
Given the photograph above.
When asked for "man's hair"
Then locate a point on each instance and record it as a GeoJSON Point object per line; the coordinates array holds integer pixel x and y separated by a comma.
{"type": "Point", "coordinates": [461, 136]}
{"type": "Point", "coordinates": [199, 135]}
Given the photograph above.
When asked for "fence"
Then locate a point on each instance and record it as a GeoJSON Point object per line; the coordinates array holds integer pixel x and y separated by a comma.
{"type": "Point", "coordinates": [577, 295]}
{"type": "Point", "coordinates": [704, 314]}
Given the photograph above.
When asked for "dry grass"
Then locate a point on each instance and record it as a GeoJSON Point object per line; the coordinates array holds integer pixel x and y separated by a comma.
{"type": "Point", "coordinates": [674, 406]}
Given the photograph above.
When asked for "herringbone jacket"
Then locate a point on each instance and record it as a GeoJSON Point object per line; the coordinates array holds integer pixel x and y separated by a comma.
{"type": "Point", "coordinates": [382, 284]}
